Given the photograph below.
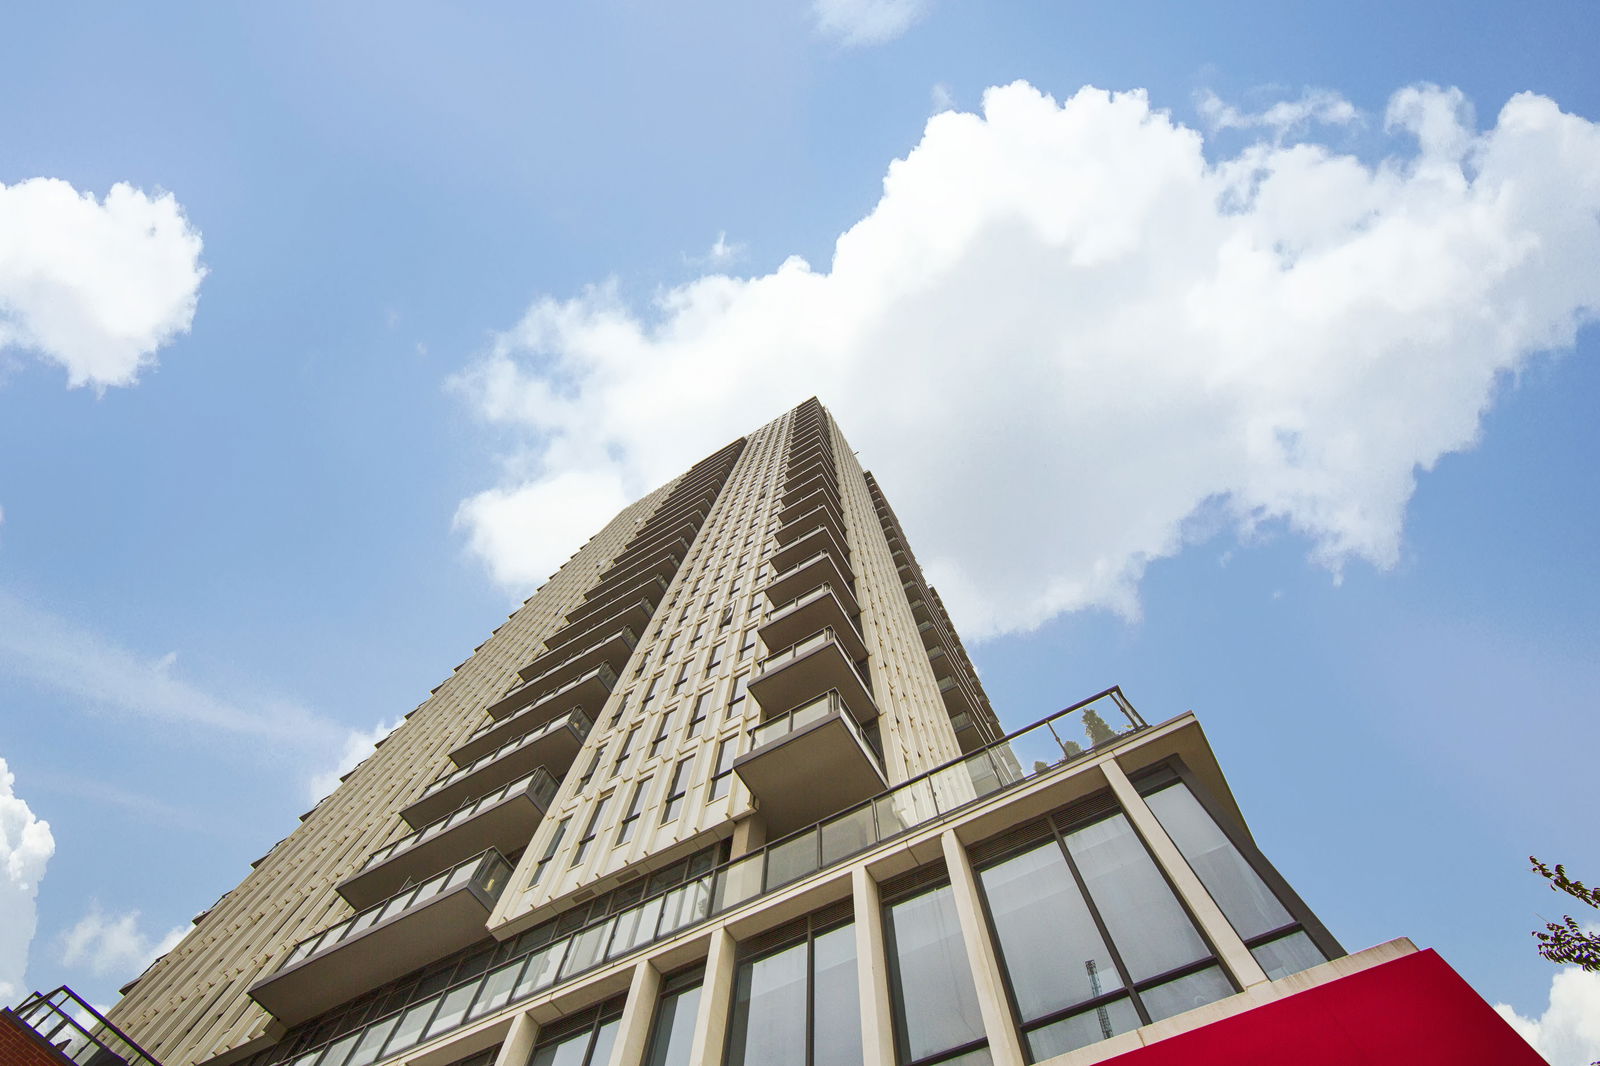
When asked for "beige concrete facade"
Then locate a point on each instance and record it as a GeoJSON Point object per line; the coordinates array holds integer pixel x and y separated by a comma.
{"type": "Point", "coordinates": [667, 840]}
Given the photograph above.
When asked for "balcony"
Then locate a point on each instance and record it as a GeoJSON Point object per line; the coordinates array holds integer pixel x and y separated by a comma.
{"type": "Point", "coordinates": [801, 672]}
{"type": "Point", "coordinates": [809, 763]}
{"type": "Point", "coordinates": [827, 486]}
{"type": "Point", "coordinates": [651, 587]}
{"type": "Point", "coordinates": [820, 569]}
{"type": "Point", "coordinates": [661, 563]}
{"type": "Point", "coordinates": [653, 535]}
{"type": "Point", "coordinates": [553, 745]}
{"type": "Point", "coordinates": [528, 708]}
{"type": "Point", "coordinates": [813, 461]}
{"type": "Point", "coordinates": [611, 650]}
{"type": "Point", "coordinates": [818, 609]}
{"type": "Point", "coordinates": [957, 699]}
{"type": "Point", "coordinates": [387, 940]}
{"type": "Point", "coordinates": [800, 525]}
{"type": "Point", "coordinates": [570, 638]}
{"type": "Point", "coordinates": [812, 500]}
{"type": "Point", "coordinates": [504, 820]}
{"type": "Point", "coordinates": [818, 540]}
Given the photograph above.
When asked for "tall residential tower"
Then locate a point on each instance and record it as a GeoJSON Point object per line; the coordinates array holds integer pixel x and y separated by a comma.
{"type": "Point", "coordinates": [727, 790]}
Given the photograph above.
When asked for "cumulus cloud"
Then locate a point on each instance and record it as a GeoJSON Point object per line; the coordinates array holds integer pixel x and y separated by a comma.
{"type": "Point", "coordinates": [1568, 1032]}
{"type": "Point", "coordinates": [864, 22]}
{"type": "Point", "coordinates": [1063, 333]}
{"type": "Point", "coordinates": [25, 849]}
{"type": "Point", "coordinates": [95, 285]}
{"type": "Point", "coordinates": [115, 945]}
{"type": "Point", "coordinates": [357, 746]}
{"type": "Point", "coordinates": [1320, 106]}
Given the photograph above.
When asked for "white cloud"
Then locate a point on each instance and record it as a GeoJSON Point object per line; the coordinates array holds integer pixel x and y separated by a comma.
{"type": "Point", "coordinates": [53, 652]}
{"type": "Point", "coordinates": [357, 746]}
{"type": "Point", "coordinates": [1568, 1032]}
{"type": "Point", "coordinates": [1319, 106]}
{"type": "Point", "coordinates": [863, 22]}
{"type": "Point", "coordinates": [25, 849]}
{"type": "Point", "coordinates": [1062, 334]}
{"type": "Point", "coordinates": [96, 286]}
{"type": "Point", "coordinates": [114, 945]}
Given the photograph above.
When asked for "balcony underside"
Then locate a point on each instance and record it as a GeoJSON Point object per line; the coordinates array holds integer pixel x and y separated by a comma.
{"type": "Point", "coordinates": [826, 611]}
{"type": "Point", "coordinates": [819, 539]}
{"type": "Point", "coordinates": [823, 570]}
{"type": "Point", "coordinates": [393, 948]}
{"type": "Point", "coordinates": [805, 523]}
{"type": "Point", "coordinates": [612, 651]}
{"type": "Point", "coordinates": [507, 827]}
{"type": "Point", "coordinates": [573, 638]}
{"type": "Point", "coordinates": [554, 751]}
{"type": "Point", "coordinates": [798, 680]}
{"type": "Point", "coordinates": [804, 776]}
{"type": "Point", "coordinates": [819, 498]}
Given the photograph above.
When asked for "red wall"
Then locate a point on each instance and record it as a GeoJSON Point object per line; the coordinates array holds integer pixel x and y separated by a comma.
{"type": "Point", "coordinates": [1414, 1010]}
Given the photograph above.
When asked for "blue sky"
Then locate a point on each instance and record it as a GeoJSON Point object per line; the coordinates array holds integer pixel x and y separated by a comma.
{"type": "Point", "coordinates": [448, 253]}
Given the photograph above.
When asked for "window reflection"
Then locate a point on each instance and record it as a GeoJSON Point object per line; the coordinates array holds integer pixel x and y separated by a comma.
{"type": "Point", "coordinates": [673, 1032]}
{"type": "Point", "coordinates": [798, 1005]}
{"type": "Point", "coordinates": [935, 1002]}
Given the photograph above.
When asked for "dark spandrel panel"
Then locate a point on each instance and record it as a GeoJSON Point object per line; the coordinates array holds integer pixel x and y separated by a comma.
{"type": "Point", "coordinates": [1145, 921]}
{"type": "Point", "coordinates": [1241, 893]}
{"type": "Point", "coordinates": [1081, 1030]}
{"type": "Point", "coordinates": [1186, 993]}
{"type": "Point", "coordinates": [1288, 955]}
{"type": "Point", "coordinates": [1052, 952]}
{"type": "Point", "coordinates": [936, 1003]}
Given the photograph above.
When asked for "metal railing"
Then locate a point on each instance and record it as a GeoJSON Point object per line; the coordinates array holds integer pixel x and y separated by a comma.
{"type": "Point", "coordinates": [607, 676]}
{"type": "Point", "coordinates": [488, 870]}
{"type": "Point", "coordinates": [1032, 752]}
{"type": "Point", "coordinates": [815, 710]}
{"type": "Point", "coordinates": [79, 1032]}
{"type": "Point", "coordinates": [574, 719]}
{"type": "Point", "coordinates": [799, 648]}
{"type": "Point", "coordinates": [539, 784]}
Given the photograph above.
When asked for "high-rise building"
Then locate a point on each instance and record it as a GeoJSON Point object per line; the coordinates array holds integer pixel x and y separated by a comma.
{"type": "Point", "coordinates": [727, 790]}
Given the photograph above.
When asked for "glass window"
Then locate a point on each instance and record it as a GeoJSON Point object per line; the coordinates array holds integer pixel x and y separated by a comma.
{"type": "Point", "coordinates": [1287, 955]}
{"type": "Point", "coordinates": [723, 776]}
{"type": "Point", "coordinates": [1139, 909]}
{"type": "Point", "coordinates": [550, 850]}
{"type": "Point", "coordinates": [1241, 893]}
{"type": "Point", "coordinates": [935, 1002]}
{"type": "Point", "coordinates": [697, 717]}
{"type": "Point", "coordinates": [588, 1046]}
{"type": "Point", "coordinates": [1081, 1030]}
{"type": "Point", "coordinates": [1195, 990]}
{"type": "Point", "coordinates": [677, 790]}
{"type": "Point", "coordinates": [798, 1006]}
{"type": "Point", "coordinates": [1048, 941]}
{"type": "Point", "coordinates": [835, 1000]}
{"type": "Point", "coordinates": [673, 1031]}
{"type": "Point", "coordinates": [592, 828]}
{"type": "Point", "coordinates": [630, 820]}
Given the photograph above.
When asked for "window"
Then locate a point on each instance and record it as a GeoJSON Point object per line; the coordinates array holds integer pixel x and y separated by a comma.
{"type": "Point", "coordinates": [662, 732]}
{"type": "Point", "coordinates": [673, 1030]}
{"type": "Point", "coordinates": [1266, 926]}
{"type": "Point", "coordinates": [550, 850]}
{"type": "Point", "coordinates": [699, 635]}
{"type": "Point", "coordinates": [713, 659]}
{"type": "Point", "coordinates": [594, 764]}
{"type": "Point", "coordinates": [677, 790]}
{"type": "Point", "coordinates": [585, 1040]}
{"type": "Point", "coordinates": [650, 693]}
{"type": "Point", "coordinates": [697, 716]}
{"type": "Point", "coordinates": [682, 679]}
{"type": "Point", "coordinates": [672, 643]}
{"type": "Point", "coordinates": [1092, 939]}
{"type": "Point", "coordinates": [723, 777]}
{"type": "Point", "coordinates": [630, 820]}
{"type": "Point", "coordinates": [623, 750]}
{"type": "Point", "coordinates": [748, 648]}
{"type": "Point", "coordinates": [592, 828]}
{"type": "Point", "coordinates": [736, 696]}
{"type": "Point", "coordinates": [935, 1004]}
{"type": "Point", "coordinates": [727, 612]}
{"type": "Point", "coordinates": [780, 997]}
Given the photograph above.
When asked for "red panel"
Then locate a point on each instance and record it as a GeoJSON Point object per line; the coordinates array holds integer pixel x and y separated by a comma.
{"type": "Point", "coordinates": [1414, 1010]}
{"type": "Point", "coordinates": [21, 1046]}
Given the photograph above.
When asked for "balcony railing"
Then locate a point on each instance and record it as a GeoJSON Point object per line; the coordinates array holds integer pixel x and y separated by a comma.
{"type": "Point", "coordinates": [539, 784]}
{"type": "Point", "coordinates": [1039, 750]}
{"type": "Point", "coordinates": [575, 720]}
{"type": "Point", "coordinates": [78, 1032]}
{"type": "Point", "coordinates": [815, 711]}
{"type": "Point", "coordinates": [488, 872]}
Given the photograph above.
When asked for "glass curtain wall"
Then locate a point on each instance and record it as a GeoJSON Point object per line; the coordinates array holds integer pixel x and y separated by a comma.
{"type": "Point", "coordinates": [1093, 940]}
{"type": "Point", "coordinates": [583, 1042]}
{"type": "Point", "coordinates": [936, 1014]}
{"type": "Point", "coordinates": [673, 1032]}
{"type": "Point", "coordinates": [1278, 941]}
{"type": "Point", "coordinates": [797, 1005]}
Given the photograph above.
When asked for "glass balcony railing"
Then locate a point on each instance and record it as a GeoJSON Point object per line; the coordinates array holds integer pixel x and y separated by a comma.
{"type": "Point", "coordinates": [575, 720]}
{"type": "Point", "coordinates": [783, 610]}
{"type": "Point", "coordinates": [539, 784]}
{"type": "Point", "coordinates": [1039, 750]}
{"type": "Point", "coordinates": [78, 1032]}
{"type": "Point", "coordinates": [782, 725]}
{"type": "Point", "coordinates": [799, 649]}
{"type": "Point", "coordinates": [488, 871]}
{"type": "Point", "coordinates": [603, 673]}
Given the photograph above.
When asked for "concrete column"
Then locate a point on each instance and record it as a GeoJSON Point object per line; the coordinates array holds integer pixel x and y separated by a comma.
{"type": "Point", "coordinates": [633, 1030]}
{"type": "Point", "coordinates": [872, 972]}
{"type": "Point", "coordinates": [1005, 1047]}
{"type": "Point", "coordinates": [1213, 923]}
{"type": "Point", "coordinates": [518, 1045]}
{"type": "Point", "coordinates": [716, 999]}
